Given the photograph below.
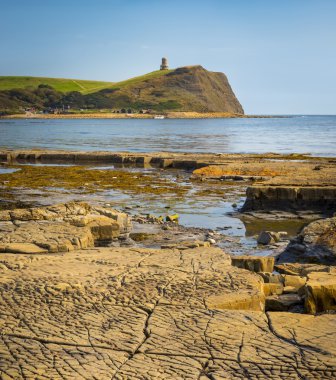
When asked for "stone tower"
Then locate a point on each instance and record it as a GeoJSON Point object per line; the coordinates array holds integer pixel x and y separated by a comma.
{"type": "Point", "coordinates": [164, 64]}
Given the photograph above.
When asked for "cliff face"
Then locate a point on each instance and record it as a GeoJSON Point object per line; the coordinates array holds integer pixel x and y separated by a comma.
{"type": "Point", "coordinates": [190, 88]}
{"type": "Point", "coordinates": [212, 89]}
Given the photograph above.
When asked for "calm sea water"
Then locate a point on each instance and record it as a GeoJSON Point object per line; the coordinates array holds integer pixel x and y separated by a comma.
{"type": "Point", "coordinates": [300, 134]}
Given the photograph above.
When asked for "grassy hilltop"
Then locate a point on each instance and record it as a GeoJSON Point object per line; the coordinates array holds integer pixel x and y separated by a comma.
{"type": "Point", "coordinates": [190, 88]}
{"type": "Point", "coordinates": [59, 84]}
{"type": "Point", "coordinates": [69, 85]}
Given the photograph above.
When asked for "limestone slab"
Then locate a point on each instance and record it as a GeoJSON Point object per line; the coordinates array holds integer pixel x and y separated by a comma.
{"type": "Point", "coordinates": [117, 313]}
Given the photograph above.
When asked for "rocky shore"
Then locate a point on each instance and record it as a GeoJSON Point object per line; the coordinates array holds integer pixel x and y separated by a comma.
{"type": "Point", "coordinates": [274, 182]}
{"type": "Point", "coordinates": [84, 294]}
{"type": "Point", "coordinates": [307, 184]}
{"type": "Point", "coordinates": [74, 308]}
{"type": "Point", "coordinates": [107, 115]}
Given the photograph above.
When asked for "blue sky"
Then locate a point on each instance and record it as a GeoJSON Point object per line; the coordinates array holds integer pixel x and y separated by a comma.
{"type": "Point", "coordinates": [279, 55]}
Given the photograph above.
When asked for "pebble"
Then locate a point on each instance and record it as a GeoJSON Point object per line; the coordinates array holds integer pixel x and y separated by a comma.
{"type": "Point", "coordinates": [211, 241]}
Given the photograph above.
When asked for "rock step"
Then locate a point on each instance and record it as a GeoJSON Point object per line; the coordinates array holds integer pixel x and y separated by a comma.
{"type": "Point", "coordinates": [289, 198]}
{"type": "Point", "coordinates": [316, 290]}
{"type": "Point", "coordinates": [254, 263]}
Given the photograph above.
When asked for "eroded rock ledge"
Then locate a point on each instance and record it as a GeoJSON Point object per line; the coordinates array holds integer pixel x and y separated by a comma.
{"type": "Point", "coordinates": [60, 228]}
{"type": "Point", "coordinates": [285, 185]}
{"type": "Point", "coordinates": [291, 198]}
{"type": "Point", "coordinates": [150, 314]}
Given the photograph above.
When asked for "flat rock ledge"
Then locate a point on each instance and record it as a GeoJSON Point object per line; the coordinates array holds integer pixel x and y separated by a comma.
{"type": "Point", "coordinates": [60, 228]}
{"type": "Point", "coordinates": [282, 185]}
{"type": "Point", "coordinates": [159, 159]}
{"type": "Point", "coordinates": [118, 313]}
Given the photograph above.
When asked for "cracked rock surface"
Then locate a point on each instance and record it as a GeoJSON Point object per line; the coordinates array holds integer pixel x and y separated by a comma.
{"type": "Point", "coordinates": [118, 313]}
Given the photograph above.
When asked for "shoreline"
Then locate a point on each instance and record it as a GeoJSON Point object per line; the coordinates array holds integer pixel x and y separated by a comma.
{"type": "Point", "coordinates": [168, 115]}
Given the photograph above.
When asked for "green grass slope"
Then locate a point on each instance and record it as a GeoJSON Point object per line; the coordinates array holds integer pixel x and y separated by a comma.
{"type": "Point", "coordinates": [68, 85]}
{"type": "Point", "coordinates": [59, 84]}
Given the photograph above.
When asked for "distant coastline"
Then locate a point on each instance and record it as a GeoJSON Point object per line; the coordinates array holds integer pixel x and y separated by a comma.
{"type": "Point", "coordinates": [105, 115]}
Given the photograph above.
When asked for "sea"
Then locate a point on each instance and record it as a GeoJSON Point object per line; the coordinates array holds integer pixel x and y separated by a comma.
{"type": "Point", "coordinates": [315, 135]}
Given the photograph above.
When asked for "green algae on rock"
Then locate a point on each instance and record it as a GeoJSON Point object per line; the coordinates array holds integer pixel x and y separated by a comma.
{"type": "Point", "coordinates": [89, 181]}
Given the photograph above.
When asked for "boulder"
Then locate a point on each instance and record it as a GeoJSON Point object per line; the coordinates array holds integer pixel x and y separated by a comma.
{"type": "Point", "coordinates": [320, 292]}
{"type": "Point", "coordinates": [316, 243]}
{"type": "Point", "coordinates": [123, 219]}
{"type": "Point", "coordinates": [268, 237]}
{"type": "Point", "coordinates": [254, 263]}
{"type": "Point", "coordinates": [284, 302]}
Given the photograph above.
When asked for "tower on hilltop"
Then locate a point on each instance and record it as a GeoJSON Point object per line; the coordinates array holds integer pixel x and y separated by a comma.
{"type": "Point", "coordinates": [164, 64]}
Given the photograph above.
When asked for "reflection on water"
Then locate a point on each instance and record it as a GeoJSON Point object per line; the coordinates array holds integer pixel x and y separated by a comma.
{"type": "Point", "coordinates": [7, 170]}
{"type": "Point", "coordinates": [254, 226]}
{"type": "Point", "coordinates": [309, 134]}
